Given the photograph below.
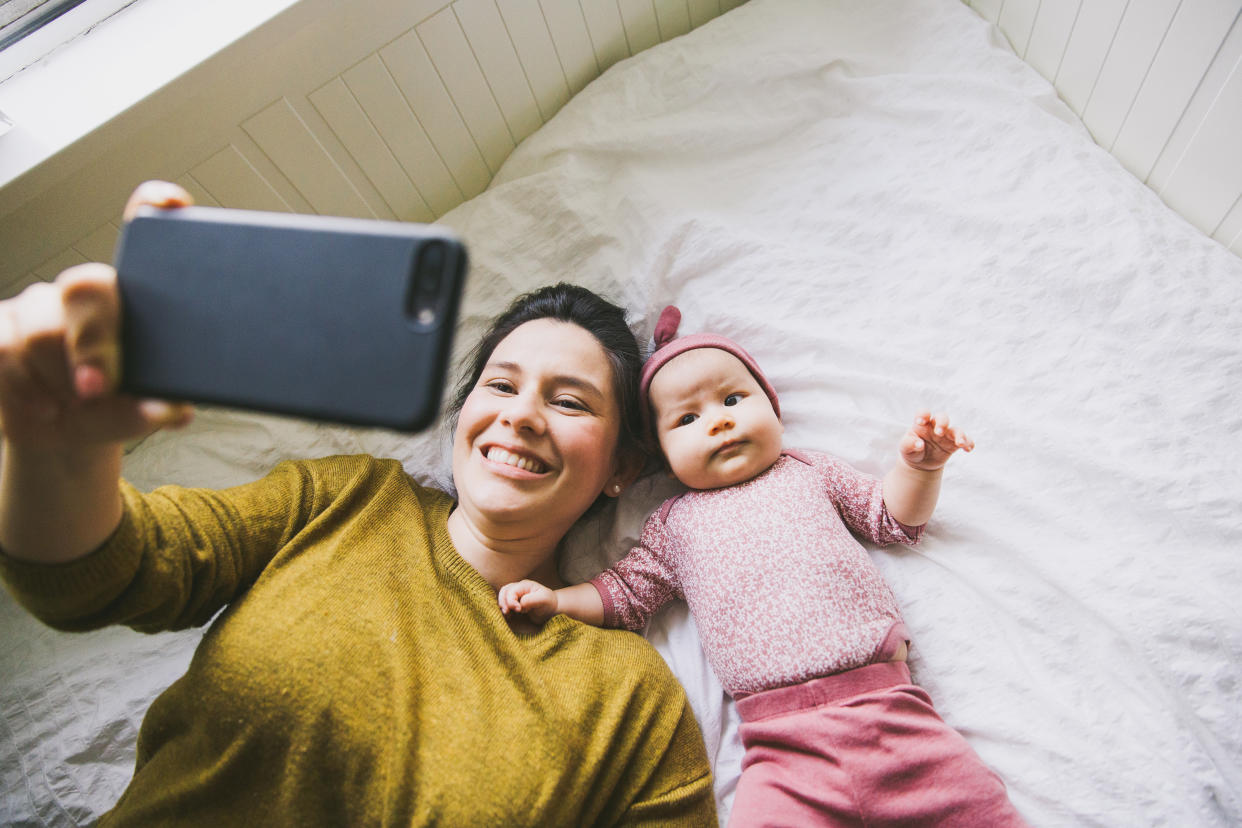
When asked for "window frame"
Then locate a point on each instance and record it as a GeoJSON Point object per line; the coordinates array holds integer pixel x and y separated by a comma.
{"type": "Point", "coordinates": [36, 19]}
{"type": "Point", "coordinates": [43, 30]}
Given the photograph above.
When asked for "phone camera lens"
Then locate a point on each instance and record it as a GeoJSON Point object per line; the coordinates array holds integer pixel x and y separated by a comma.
{"type": "Point", "coordinates": [431, 268]}
{"type": "Point", "coordinates": [423, 300]}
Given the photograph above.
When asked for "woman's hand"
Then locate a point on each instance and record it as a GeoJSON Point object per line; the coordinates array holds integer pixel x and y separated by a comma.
{"type": "Point", "coordinates": [931, 441]}
{"type": "Point", "coordinates": [530, 598]}
{"type": "Point", "coordinates": [60, 357]}
{"type": "Point", "coordinates": [62, 422]}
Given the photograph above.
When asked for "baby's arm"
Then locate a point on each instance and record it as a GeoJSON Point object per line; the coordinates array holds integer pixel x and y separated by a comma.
{"type": "Point", "coordinates": [623, 596]}
{"type": "Point", "coordinates": [912, 488]}
{"type": "Point", "coordinates": [539, 603]}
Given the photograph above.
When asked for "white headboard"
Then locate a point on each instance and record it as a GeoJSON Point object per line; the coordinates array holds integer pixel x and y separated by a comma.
{"type": "Point", "coordinates": [408, 110]}
{"type": "Point", "coordinates": [1158, 84]}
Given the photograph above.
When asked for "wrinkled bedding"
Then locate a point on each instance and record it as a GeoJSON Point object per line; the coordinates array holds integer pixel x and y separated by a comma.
{"type": "Point", "coordinates": [890, 211]}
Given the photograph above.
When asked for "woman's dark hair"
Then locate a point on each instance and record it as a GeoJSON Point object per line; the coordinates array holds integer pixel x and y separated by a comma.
{"type": "Point", "coordinates": [589, 311]}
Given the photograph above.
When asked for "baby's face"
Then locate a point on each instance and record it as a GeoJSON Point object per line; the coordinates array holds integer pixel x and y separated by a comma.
{"type": "Point", "coordinates": [715, 424]}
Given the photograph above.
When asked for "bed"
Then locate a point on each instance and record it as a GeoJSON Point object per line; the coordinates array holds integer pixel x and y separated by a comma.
{"type": "Point", "coordinates": [890, 210]}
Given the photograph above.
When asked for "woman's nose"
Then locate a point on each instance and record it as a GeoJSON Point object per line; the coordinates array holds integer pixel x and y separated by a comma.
{"type": "Point", "coordinates": [523, 412]}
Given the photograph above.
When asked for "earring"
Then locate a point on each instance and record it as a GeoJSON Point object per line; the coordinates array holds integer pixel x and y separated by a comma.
{"type": "Point", "coordinates": [615, 488]}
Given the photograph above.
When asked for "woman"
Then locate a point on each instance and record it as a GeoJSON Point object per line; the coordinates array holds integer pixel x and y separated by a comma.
{"type": "Point", "coordinates": [362, 672]}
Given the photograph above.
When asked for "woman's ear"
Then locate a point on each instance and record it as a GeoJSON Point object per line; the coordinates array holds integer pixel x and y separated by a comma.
{"type": "Point", "coordinates": [628, 466]}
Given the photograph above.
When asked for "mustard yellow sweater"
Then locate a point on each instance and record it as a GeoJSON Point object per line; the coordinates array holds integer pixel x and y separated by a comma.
{"type": "Point", "coordinates": [361, 672]}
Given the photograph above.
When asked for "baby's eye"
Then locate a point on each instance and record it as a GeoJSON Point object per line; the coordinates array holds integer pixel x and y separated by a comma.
{"type": "Point", "coordinates": [733, 399]}
{"type": "Point", "coordinates": [687, 419]}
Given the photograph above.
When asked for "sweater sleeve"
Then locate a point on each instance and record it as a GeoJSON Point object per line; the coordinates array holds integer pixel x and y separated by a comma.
{"type": "Point", "coordinates": [680, 792]}
{"type": "Point", "coordinates": [859, 499]}
{"type": "Point", "coordinates": [641, 582]}
{"type": "Point", "coordinates": [177, 556]}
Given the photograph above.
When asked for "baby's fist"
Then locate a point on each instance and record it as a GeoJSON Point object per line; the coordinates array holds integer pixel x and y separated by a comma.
{"type": "Point", "coordinates": [530, 598]}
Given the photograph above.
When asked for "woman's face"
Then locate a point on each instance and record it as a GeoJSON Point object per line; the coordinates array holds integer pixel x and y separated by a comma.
{"type": "Point", "coordinates": [536, 439]}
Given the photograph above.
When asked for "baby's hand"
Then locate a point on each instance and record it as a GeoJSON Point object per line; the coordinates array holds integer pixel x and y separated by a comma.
{"type": "Point", "coordinates": [531, 598]}
{"type": "Point", "coordinates": [931, 441]}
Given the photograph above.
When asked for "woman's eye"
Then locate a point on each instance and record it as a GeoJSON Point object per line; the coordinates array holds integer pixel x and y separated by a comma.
{"type": "Point", "coordinates": [733, 399]}
{"type": "Point", "coordinates": [687, 419]}
{"type": "Point", "coordinates": [501, 386]}
{"type": "Point", "coordinates": [573, 405]}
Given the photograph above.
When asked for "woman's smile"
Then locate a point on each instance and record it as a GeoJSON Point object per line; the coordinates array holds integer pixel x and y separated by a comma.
{"type": "Point", "coordinates": [513, 459]}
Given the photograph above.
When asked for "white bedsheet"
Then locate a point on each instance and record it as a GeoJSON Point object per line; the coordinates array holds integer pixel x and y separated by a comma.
{"type": "Point", "coordinates": [889, 210]}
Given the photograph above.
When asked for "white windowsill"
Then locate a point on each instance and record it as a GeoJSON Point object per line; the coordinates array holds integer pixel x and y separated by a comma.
{"type": "Point", "coordinates": [98, 75]}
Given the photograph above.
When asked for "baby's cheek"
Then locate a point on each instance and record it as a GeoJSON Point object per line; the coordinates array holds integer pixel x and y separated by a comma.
{"type": "Point", "coordinates": [689, 475]}
{"type": "Point", "coordinates": [682, 461]}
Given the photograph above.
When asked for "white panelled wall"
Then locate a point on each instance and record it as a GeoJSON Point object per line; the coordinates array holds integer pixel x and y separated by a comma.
{"type": "Point", "coordinates": [402, 116]}
{"type": "Point", "coordinates": [405, 108]}
{"type": "Point", "coordinates": [1157, 82]}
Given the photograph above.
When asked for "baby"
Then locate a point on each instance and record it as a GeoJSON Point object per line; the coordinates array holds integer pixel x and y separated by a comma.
{"type": "Point", "coordinates": [794, 617]}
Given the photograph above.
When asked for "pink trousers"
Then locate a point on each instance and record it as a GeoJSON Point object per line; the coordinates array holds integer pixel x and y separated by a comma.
{"type": "Point", "coordinates": [864, 747]}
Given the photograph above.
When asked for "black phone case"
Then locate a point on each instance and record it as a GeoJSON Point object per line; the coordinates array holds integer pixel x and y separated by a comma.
{"type": "Point", "coordinates": [338, 319]}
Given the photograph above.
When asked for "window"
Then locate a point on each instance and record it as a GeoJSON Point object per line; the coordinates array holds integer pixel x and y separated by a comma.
{"type": "Point", "coordinates": [19, 18]}
{"type": "Point", "coordinates": [32, 29]}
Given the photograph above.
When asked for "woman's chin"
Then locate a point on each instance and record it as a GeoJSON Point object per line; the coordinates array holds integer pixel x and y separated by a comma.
{"type": "Point", "coordinates": [513, 501]}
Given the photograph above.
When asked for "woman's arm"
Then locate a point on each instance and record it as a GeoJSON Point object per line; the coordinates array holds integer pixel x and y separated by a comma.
{"type": "Point", "coordinates": [912, 488]}
{"type": "Point", "coordinates": [63, 425]}
{"type": "Point", "coordinates": [57, 506]}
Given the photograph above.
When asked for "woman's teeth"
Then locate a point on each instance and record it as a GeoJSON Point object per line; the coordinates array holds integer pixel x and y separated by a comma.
{"type": "Point", "coordinates": [499, 455]}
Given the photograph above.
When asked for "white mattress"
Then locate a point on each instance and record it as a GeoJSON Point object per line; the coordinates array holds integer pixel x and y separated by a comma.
{"type": "Point", "coordinates": [889, 210]}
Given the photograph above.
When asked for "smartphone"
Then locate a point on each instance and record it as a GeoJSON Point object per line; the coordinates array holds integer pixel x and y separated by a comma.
{"type": "Point", "coordinates": [338, 319]}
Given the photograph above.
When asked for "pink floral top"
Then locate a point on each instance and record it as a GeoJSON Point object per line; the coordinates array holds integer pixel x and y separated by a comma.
{"type": "Point", "coordinates": [780, 590]}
